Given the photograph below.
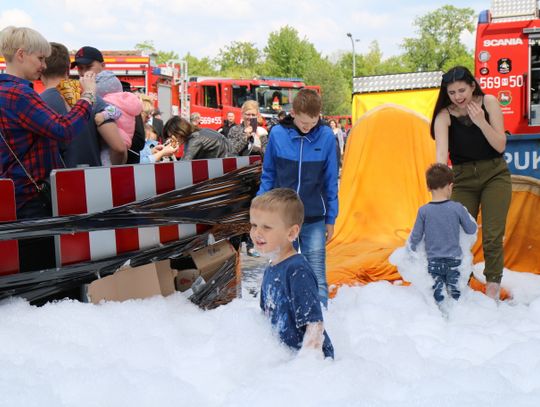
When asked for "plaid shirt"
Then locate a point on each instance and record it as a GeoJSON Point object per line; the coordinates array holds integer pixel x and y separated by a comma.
{"type": "Point", "coordinates": [33, 130]}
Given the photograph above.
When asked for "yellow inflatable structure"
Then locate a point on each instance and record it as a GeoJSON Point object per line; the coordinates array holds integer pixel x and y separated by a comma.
{"type": "Point", "coordinates": [381, 188]}
{"type": "Point", "coordinates": [418, 100]}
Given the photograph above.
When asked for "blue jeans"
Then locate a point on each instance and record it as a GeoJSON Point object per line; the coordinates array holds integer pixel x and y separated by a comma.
{"type": "Point", "coordinates": [312, 242]}
{"type": "Point", "coordinates": [445, 273]}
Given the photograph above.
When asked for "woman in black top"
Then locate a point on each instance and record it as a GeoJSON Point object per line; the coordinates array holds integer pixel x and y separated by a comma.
{"type": "Point", "coordinates": [198, 143]}
{"type": "Point", "coordinates": [468, 125]}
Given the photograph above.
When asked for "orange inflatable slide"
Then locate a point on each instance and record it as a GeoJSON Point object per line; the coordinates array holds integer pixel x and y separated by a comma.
{"type": "Point", "coordinates": [381, 188]}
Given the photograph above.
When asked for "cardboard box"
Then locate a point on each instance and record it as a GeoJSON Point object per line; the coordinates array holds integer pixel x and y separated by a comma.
{"type": "Point", "coordinates": [227, 286]}
{"type": "Point", "coordinates": [210, 258]}
{"type": "Point", "coordinates": [185, 279]}
{"type": "Point", "coordinates": [134, 282]}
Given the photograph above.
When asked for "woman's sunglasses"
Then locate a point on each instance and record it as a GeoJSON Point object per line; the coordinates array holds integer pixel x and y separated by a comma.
{"type": "Point", "coordinates": [454, 75]}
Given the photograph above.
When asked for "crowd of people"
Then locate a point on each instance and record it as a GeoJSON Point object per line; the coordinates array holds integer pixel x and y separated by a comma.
{"type": "Point", "coordinates": [93, 121]}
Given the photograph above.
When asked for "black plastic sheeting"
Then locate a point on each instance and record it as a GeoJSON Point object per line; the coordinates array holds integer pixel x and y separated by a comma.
{"type": "Point", "coordinates": [40, 284]}
{"type": "Point", "coordinates": [224, 199]}
{"type": "Point", "coordinates": [219, 290]}
{"type": "Point", "coordinates": [223, 202]}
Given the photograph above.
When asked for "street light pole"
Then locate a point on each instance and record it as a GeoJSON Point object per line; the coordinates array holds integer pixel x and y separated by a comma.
{"type": "Point", "coordinates": [353, 56]}
{"type": "Point", "coordinates": [353, 40]}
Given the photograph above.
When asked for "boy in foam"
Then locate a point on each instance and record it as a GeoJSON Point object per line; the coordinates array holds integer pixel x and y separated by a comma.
{"type": "Point", "coordinates": [289, 293]}
{"type": "Point", "coordinates": [438, 223]}
{"type": "Point", "coordinates": [301, 155]}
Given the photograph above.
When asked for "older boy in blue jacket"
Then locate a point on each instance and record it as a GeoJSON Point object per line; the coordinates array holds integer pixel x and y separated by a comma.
{"type": "Point", "coordinates": [301, 155]}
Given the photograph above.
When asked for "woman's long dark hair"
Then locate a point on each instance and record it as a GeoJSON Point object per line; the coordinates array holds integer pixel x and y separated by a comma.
{"type": "Point", "coordinates": [455, 74]}
{"type": "Point", "coordinates": [178, 127]}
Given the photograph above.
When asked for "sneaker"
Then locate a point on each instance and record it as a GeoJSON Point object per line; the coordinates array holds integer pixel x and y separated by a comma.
{"type": "Point", "coordinates": [251, 252]}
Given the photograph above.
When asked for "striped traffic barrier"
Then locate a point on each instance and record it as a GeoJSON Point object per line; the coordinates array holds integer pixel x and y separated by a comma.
{"type": "Point", "coordinates": [9, 251]}
{"type": "Point", "coordinates": [86, 190]}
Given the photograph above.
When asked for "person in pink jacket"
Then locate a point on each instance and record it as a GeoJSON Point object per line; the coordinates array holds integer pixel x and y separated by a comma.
{"type": "Point", "coordinates": [109, 87]}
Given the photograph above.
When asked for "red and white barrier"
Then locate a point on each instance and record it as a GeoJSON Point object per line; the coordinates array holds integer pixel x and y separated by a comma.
{"type": "Point", "coordinates": [9, 250]}
{"type": "Point", "coordinates": [92, 189]}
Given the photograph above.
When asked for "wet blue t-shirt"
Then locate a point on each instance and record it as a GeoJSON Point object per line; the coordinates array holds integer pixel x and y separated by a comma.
{"type": "Point", "coordinates": [290, 298]}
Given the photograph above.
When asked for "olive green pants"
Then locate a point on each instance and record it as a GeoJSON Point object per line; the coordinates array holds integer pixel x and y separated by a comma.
{"type": "Point", "coordinates": [486, 184]}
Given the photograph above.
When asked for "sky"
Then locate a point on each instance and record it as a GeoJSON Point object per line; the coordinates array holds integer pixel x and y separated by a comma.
{"type": "Point", "coordinates": [203, 27]}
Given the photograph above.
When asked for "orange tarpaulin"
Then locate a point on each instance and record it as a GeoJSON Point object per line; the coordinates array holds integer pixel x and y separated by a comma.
{"type": "Point", "coordinates": [522, 234]}
{"type": "Point", "coordinates": [381, 188]}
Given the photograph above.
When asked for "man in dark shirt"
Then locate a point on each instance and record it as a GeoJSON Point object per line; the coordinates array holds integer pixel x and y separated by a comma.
{"type": "Point", "coordinates": [230, 122]}
{"type": "Point", "coordinates": [90, 59]}
{"type": "Point", "coordinates": [84, 147]}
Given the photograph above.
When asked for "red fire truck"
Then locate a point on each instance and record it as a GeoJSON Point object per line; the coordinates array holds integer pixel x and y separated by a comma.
{"type": "Point", "coordinates": [177, 94]}
{"type": "Point", "coordinates": [507, 58]}
{"type": "Point", "coordinates": [213, 98]}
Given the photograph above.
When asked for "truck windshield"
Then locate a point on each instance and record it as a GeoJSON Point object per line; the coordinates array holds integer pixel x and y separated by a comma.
{"type": "Point", "coordinates": [273, 99]}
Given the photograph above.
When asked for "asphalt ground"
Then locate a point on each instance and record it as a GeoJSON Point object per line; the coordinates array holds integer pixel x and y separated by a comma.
{"type": "Point", "coordinates": [252, 272]}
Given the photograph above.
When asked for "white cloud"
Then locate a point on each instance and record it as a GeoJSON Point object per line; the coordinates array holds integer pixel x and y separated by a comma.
{"type": "Point", "coordinates": [16, 17]}
{"type": "Point", "coordinates": [199, 10]}
{"type": "Point", "coordinates": [367, 20]}
{"type": "Point", "coordinates": [68, 27]}
{"type": "Point", "coordinates": [468, 39]}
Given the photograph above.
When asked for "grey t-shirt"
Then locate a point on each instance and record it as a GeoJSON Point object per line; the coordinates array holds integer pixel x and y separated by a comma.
{"type": "Point", "coordinates": [438, 223]}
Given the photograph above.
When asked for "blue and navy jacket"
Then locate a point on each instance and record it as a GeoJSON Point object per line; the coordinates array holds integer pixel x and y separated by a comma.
{"type": "Point", "coordinates": [306, 163]}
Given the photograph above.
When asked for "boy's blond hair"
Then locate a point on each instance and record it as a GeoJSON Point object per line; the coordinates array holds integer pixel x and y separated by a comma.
{"type": "Point", "coordinates": [307, 101]}
{"type": "Point", "coordinates": [14, 38]}
{"type": "Point", "coordinates": [285, 201]}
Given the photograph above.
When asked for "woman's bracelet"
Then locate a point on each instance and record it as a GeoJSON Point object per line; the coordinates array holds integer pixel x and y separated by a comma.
{"type": "Point", "coordinates": [90, 96]}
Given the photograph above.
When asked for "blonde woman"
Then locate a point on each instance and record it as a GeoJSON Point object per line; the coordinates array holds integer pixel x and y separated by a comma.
{"type": "Point", "coordinates": [139, 136]}
{"type": "Point", "coordinates": [30, 133]}
{"type": "Point", "coordinates": [248, 137]}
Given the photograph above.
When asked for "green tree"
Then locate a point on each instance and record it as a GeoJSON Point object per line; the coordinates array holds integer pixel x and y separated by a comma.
{"type": "Point", "coordinates": [287, 55]}
{"type": "Point", "coordinates": [239, 55]}
{"type": "Point", "coordinates": [166, 56]}
{"type": "Point", "coordinates": [370, 63]}
{"type": "Point", "coordinates": [439, 46]}
{"type": "Point", "coordinates": [147, 47]}
{"type": "Point", "coordinates": [199, 67]}
{"type": "Point", "coordinates": [335, 91]}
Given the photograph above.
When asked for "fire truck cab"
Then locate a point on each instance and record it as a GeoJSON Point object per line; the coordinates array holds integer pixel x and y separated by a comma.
{"type": "Point", "coordinates": [507, 65]}
{"type": "Point", "coordinates": [213, 98]}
